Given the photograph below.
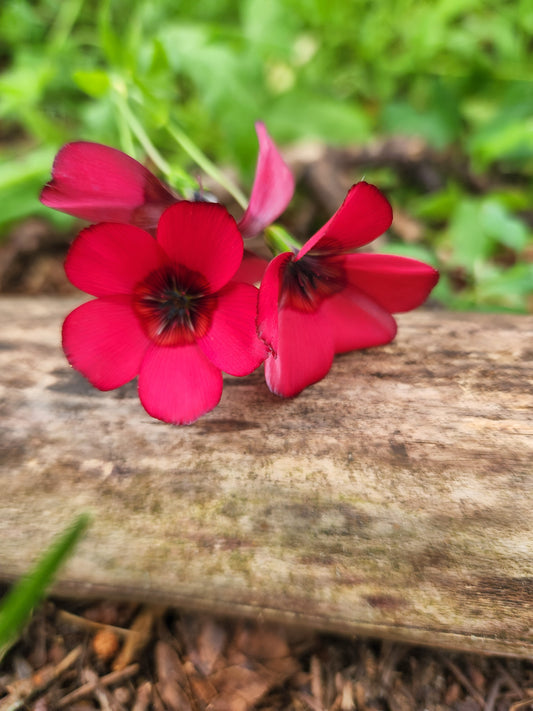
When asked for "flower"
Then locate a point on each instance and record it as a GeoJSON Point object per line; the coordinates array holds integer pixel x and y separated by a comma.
{"type": "Point", "coordinates": [101, 184]}
{"type": "Point", "coordinates": [272, 190]}
{"type": "Point", "coordinates": [324, 299]}
{"type": "Point", "coordinates": [166, 309]}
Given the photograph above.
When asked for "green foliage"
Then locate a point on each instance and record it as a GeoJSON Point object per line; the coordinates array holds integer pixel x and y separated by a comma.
{"type": "Point", "coordinates": [17, 606]}
{"type": "Point", "coordinates": [455, 72]}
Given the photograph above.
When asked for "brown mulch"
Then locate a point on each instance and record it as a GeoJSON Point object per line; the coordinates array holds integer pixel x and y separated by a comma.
{"type": "Point", "coordinates": [118, 656]}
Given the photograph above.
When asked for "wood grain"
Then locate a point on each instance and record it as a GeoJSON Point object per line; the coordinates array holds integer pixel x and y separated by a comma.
{"type": "Point", "coordinates": [394, 498]}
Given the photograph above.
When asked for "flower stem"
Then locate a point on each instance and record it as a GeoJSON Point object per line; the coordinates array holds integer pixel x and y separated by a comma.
{"type": "Point", "coordinates": [125, 133]}
{"type": "Point", "coordinates": [140, 134]}
{"type": "Point", "coordinates": [63, 23]}
{"type": "Point", "coordinates": [131, 125]}
{"type": "Point", "coordinates": [279, 240]}
{"type": "Point", "coordinates": [205, 164]}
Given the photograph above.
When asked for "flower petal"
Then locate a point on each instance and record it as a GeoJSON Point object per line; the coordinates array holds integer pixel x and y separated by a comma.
{"type": "Point", "coordinates": [396, 283]}
{"type": "Point", "coordinates": [178, 384]}
{"type": "Point", "coordinates": [356, 321]}
{"type": "Point", "coordinates": [252, 268]}
{"type": "Point", "coordinates": [304, 355]}
{"type": "Point", "coordinates": [232, 343]}
{"type": "Point", "coordinates": [364, 215]}
{"type": "Point", "coordinates": [268, 303]}
{"type": "Point", "coordinates": [204, 238]}
{"type": "Point", "coordinates": [104, 341]}
{"type": "Point", "coordinates": [272, 190]}
{"type": "Point", "coordinates": [101, 184]}
{"type": "Point", "coordinates": [110, 258]}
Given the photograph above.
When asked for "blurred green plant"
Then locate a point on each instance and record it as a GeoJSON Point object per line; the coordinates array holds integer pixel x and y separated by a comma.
{"type": "Point", "coordinates": [17, 606]}
{"type": "Point", "coordinates": [456, 73]}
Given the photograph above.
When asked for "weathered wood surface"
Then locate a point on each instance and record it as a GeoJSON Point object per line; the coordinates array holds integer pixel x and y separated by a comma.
{"type": "Point", "coordinates": [394, 498]}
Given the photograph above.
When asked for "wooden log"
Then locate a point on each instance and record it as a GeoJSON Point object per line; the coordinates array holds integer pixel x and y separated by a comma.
{"type": "Point", "coordinates": [394, 498]}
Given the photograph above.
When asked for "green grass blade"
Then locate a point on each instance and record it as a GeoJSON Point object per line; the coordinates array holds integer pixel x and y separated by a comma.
{"type": "Point", "coordinates": [18, 604]}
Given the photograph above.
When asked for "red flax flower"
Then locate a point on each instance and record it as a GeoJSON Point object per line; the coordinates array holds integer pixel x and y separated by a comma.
{"type": "Point", "coordinates": [272, 190]}
{"type": "Point", "coordinates": [166, 310]}
{"type": "Point", "coordinates": [324, 299]}
{"type": "Point", "coordinates": [101, 184]}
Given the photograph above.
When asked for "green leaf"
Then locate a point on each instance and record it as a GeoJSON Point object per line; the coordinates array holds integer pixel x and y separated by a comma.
{"type": "Point", "coordinates": [509, 136]}
{"type": "Point", "coordinates": [16, 170]}
{"type": "Point", "coordinates": [469, 239]}
{"type": "Point", "coordinates": [183, 44]}
{"type": "Point", "coordinates": [21, 180]}
{"type": "Point", "coordinates": [431, 123]}
{"type": "Point", "coordinates": [18, 604]}
{"type": "Point", "coordinates": [437, 206]}
{"type": "Point", "coordinates": [302, 114]}
{"type": "Point", "coordinates": [93, 82]}
{"type": "Point", "coordinates": [503, 227]}
{"type": "Point", "coordinates": [266, 26]}
{"type": "Point", "coordinates": [21, 201]}
{"type": "Point", "coordinates": [511, 288]}
{"type": "Point", "coordinates": [108, 40]}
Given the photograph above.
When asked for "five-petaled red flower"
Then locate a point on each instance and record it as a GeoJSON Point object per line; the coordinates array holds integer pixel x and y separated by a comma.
{"type": "Point", "coordinates": [101, 184]}
{"type": "Point", "coordinates": [326, 300]}
{"type": "Point", "coordinates": [166, 309]}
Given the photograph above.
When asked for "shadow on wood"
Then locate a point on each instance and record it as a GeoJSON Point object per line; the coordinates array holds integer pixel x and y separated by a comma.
{"type": "Point", "coordinates": [392, 499]}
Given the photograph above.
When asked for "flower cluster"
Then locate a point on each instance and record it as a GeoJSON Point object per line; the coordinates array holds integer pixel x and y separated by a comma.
{"type": "Point", "coordinates": [176, 303]}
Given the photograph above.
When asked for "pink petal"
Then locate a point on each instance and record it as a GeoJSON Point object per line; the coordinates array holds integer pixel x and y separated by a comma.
{"type": "Point", "coordinates": [272, 190]}
{"type": "Point", "coordinates": [101, 184]}
{"type": "Point", "coordinates": [204, 238]}
{"type": "Point", "coordinates": [356, 321]}
{"type": "Point", "coordinates": [178, 384]}
{"type": "Point", "coordinates": [232, 343]}
{"type": "Point", "coordinates": [396, 283]}
{"type": "Point", "coordinates": [364, 215]}
{"type": "Point", "coordinates": [252, 268]}
{"type": "Point", "coordinates": [304, 356]}
{"type": "Point", "coordinates": [104, 341]}
{"type": "Point", "coordinates": [268, 304]}
{"type": "Point", "coordinates": [111, 259]}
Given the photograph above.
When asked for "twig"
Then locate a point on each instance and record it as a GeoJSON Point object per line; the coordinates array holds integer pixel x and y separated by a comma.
{"type": "Point", "coordinates": [466, 683]}
{"type": "Point", "coordinates": [107, 680]}
{"type": "Point", "coordinates": [140, 635]}
{"type": "Point", "coordinates": [310, 701]}
{"type": "Point", "coordinates": [317, 691]}
{"type": "Point", "coordinates": [62, 666]}
{"type": "Point", "coordinates": [493, 693]}
{"type": "Point", "coordinates": [105, 699]}
{"type": "Point", "coordinates": [41, 680]}
{"type": "Point", "coordinates": [522, 704]}
{"type": "Point", "coordinates": [144, 694]}
{"type": "Point", "coordinates": [84, 623]}
{"type": "Point", "coordinates": [509, 678]}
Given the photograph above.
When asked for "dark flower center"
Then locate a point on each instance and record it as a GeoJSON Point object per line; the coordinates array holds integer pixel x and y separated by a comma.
{"type": "Point", "coordinates": [311, 279]}
{"type": "Point", "coordinates": [173, 305]}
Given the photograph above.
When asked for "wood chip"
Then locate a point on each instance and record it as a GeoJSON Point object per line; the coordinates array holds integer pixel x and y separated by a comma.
{"type": "Point", "coordinates": [172, 680]}
{"type": "Point", "coordinates": [108, 680]}
{"type": "Point", "coordinates": [144, 696]}
{"type": "Point", "coordinates": [105, 644]}
{"type": "Point", "coordinates": [139, 635]}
